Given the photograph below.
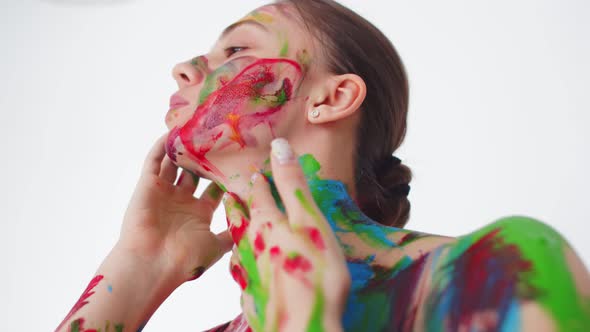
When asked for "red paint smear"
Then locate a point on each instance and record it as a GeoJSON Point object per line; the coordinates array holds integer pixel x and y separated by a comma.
{"type": "Point", "coordinates": [82, 301]}
{"type": "Point", "coordinates": [409, 237]}
{"type": "Point", "coordinates": [170, 149]}
{"type": "Point", "coordinates": [500, 266]}
{"type": "Point", "coordinates": [237, 232]}
{"type": "Point", "coordinates": [259, 244]}
{"type": "Point", "coordinates": [274, 251]}
{"type": "Point", "coordinates": [227, 105]}
{"type": "Point", "coordinates": [316, 237]}
{"type": "Point", "coordinates": [297, 263]}
{"type": "Point", "coordinates": [239, 275]}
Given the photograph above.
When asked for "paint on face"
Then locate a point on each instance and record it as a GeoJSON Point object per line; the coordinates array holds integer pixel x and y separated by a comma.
{"type": "Point", "coordinates": [237, 101]}
{"type": "Point", "coordinates": [260, 15]}
{"type": "Point", "coordinates": [284, 49]}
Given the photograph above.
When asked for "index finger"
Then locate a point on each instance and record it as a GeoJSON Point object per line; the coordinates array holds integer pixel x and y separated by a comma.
{"type": "Point", "coordinates": [212, 195]}
{"type": "Point", "coordinates": [153, 161]}
{"type": "Point", "coordinates": [293, 188]}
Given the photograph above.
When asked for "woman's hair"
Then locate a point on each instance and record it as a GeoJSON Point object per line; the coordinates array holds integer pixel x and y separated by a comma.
{"type": "Point", "coordinates": [354, 45]}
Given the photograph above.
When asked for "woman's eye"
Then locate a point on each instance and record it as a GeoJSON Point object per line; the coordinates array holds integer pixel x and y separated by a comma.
{"type": "Point", "coordinates": [234, 49]}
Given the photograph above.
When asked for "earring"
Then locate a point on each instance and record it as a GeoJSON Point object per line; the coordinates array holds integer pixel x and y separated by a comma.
{"type": "Point", "coordinates": [315, 113]}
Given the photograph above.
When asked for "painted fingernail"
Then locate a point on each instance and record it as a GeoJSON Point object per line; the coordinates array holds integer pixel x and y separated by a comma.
{"type": "Point", "coordinates": [282, 150]}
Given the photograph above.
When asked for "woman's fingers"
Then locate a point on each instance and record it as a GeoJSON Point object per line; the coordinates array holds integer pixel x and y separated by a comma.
{"type": "Point", "coordinates": [211, 196]}
{"type": "Point", "coordinates": [263, 208]}
{"type": "Point", "coordinates": [292, 186]}
{"type": "Point", "coordinates": [237, 217]}
{"type": "Point", "coordinates": [188, 181]}
{"type": "Point", "coordinates": [153, 160]}
{"type": "Point", "coordinates": [168, 170]}
{"type": "Point", "coordinates": [225, 240]}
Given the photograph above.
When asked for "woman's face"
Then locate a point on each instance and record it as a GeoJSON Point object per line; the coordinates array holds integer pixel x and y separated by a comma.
{"type": "Point", "coordinates": [243, 93]}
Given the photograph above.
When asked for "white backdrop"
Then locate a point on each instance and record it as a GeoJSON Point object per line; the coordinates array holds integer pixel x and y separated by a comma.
{"type": "Point", "coordinates": [498, 125]}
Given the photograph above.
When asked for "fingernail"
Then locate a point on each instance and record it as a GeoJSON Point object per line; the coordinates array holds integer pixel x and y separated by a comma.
{"type": "Point", "coordinates": [281, 149]}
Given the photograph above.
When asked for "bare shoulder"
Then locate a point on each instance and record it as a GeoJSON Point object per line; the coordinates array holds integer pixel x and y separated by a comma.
{"type": "Point", "coordinates": [516, 273]}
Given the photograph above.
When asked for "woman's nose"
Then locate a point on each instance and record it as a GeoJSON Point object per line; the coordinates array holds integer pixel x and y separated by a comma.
{"type": "Point", "coordinates": [187, 74]}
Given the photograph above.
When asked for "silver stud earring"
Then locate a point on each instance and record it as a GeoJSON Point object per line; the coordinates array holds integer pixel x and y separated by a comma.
{"type": "Point", "coordinates": [315, 113]}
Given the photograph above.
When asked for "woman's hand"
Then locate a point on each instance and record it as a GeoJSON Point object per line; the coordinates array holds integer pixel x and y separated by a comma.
{"type": "Point", "coordinates": [165, 240]}
{"type": "Point", "coordinates": [165, 224]}
{"type": "Point", "coordinates": [290, 267]}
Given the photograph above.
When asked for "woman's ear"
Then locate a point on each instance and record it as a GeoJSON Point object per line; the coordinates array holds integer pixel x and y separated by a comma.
{"type": "Point", "coordinates": [340, 97]}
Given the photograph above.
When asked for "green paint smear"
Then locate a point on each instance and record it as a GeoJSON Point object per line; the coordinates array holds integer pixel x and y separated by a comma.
{"type": "Point", "coordinates": [317, 313]}
{"type": "Point", "coordinates": [310, 166]}
{"type": "Point", "coordinates": [284, 49]}
{"type": "Point", "coordinates": [376, 309]}
{"type": "Point", "coordinates": [215, 192]}
{"type": "Point", "coordinates": [292, 255]}
{"type": "Point", "coordinates": [307, 205]}
{"type": "Point", "coordinates": [213, 82]}
{"type": "Point", "coordinates": [75, 326]}
{"type": "Point", "coordinates": [221, 186]}
{"type": "Point", "coordinates": [282, 97]}
{"type": "Point", "coordinates": [208, 87]}
{"type": "Point", "coordinates": [254, 286]}
{"type": "Point", "coordinates": [544, 247]}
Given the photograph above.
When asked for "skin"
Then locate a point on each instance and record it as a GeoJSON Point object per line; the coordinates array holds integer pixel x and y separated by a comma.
{"type": "Point", "coordinates": [303, 253]}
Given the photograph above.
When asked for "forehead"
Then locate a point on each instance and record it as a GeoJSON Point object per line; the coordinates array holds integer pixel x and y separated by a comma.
{"type": "Point", "coordinates": [272, 14]}
{"type": "Point", "coordinates": [282, 20]}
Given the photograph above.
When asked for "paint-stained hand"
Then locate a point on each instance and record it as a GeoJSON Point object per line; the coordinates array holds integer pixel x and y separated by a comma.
{"type": "Point", "coordinates": [290, 267]}
{"type": "Point", "coordinates": [169, 227]}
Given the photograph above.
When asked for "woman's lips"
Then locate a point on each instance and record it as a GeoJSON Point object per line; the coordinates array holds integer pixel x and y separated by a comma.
{"type": "Point", "coordinates": [177, 101]}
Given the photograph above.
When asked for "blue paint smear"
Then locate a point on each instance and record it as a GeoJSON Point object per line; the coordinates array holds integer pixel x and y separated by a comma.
{"type": "Point", "coordinates": [511, 321]}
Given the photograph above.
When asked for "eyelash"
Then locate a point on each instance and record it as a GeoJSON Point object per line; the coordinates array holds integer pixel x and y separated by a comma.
{"type": "Point", "coordinates": [229, 53]}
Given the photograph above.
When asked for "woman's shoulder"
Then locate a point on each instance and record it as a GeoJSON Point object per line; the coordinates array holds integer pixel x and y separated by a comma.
{"type": "Point", "coordinates": [517, 266]}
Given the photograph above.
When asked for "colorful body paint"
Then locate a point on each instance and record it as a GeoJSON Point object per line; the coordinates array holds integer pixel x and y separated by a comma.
{"type": "Point", "coordinates": [477, 282]}
{"type": "Point", "coordinates": [235, 100]}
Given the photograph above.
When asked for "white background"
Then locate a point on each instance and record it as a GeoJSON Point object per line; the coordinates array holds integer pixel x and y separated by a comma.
{"type": "Point", "coordinates": [498, 125]}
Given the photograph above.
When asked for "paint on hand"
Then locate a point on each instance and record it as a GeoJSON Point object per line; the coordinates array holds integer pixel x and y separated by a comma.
{"type": "Point", "coordinates": [83, 300]}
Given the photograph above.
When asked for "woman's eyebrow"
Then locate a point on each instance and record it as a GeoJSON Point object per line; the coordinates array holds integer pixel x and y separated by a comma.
{"type": "Point", "coordinates": [240, 23]}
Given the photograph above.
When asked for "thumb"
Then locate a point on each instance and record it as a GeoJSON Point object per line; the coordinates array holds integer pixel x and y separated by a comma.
{"type": "Point", "coordinates": [225, 240]}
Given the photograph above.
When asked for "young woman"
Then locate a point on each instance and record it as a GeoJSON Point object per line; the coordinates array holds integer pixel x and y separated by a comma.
{"type": "Point", "coordinates": [295, 115]}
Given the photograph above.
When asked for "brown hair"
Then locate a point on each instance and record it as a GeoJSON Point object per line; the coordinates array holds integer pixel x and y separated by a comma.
{"type": "Point", "coordinates": [354, 45]}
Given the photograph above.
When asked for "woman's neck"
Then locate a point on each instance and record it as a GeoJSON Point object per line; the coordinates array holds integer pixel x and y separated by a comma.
{"type": "Point", "coordinates": [361, 238]}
